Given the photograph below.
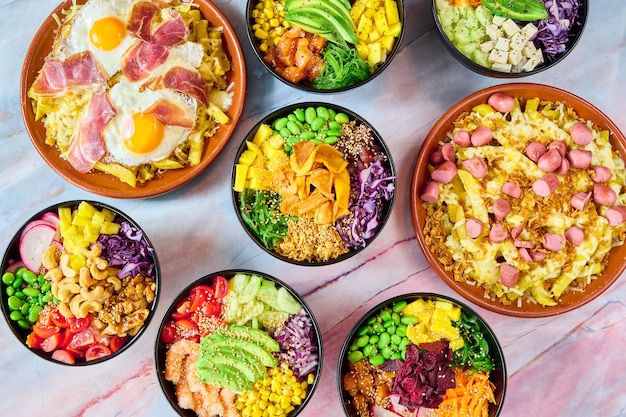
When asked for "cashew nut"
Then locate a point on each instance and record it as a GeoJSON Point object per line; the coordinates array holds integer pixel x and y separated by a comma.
{"type": "Point", "coordinates": [88, 306]}
{"type": "Point", "coordinates": [92, 295]}
{"type": "Point", "coordinates": [75, 305]}
{"type": "Point", "coordinates": [68, 271]}
{"type": "Point", "coordinates": [64, 309]}
{"type": "Point", "coordinates": [99, 269]}
{"type": "Point", "coordinates": [50, 260]}
{"type": "Point", "coordinates": [64, 292]}
{"type": "Point", "coordinates": [92, 252]}
{"type": "Point", "coordinates": [117, 284]}
{"type": "Point", "coordinates": [84, 278]}
{"type": "Point", "coordinates": [55, 275]}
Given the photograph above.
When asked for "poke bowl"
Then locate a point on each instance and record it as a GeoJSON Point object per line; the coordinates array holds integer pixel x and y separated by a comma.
{"type": "Point", "coordinates": [313, 183]}
{"type": "Point", "coordinates": [504, 39]}
{"type": "Point", "coordinates": [421, 354]}
{"type": "Point", "coordinates": [522, 223]}
{"type": "Point", "coordinates": [325, 46]}
{"type": "Point", "coordinates": [235, 341]}
{"type": "Point", "coordinates": [125, 129]}
{"type": "Point", "coordinates": [80, 283]}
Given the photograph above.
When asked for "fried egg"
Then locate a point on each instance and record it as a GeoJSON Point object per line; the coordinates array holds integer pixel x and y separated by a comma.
{"type": "Point", "coordinates": [100, 27]}
{"type": "Point", "coordinates": [137, 136]}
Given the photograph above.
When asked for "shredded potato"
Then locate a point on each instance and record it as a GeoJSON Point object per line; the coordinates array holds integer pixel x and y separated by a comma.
{"type": "Point", "coordinates": [477, 261]}
{"type": "Point", "coordinates": [61, 115]}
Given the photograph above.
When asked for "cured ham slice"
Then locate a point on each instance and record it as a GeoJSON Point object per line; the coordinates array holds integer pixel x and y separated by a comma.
{"type": "Point", "coordinates": [171, 114]}
{"type": "Point", "coordinates": [187, 81]}
{"type": "Point", "coordinates": [87, 145]}
{"type": "Point", "coordinates": [171, 32]}
{"type": "Point", "coordinates": [141, 18]}
{"type": "Point", "coordinates": [56, 77]}
{"type": "Point", "coordinates": [142, 59]}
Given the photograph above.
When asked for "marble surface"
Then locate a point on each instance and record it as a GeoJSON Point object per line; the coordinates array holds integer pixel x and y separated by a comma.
{"type": "Point", "coordinates": [570, 365]}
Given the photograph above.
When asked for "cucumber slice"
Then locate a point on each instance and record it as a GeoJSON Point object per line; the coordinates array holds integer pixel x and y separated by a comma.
{"type": "Point", "coordinates": [250, 290]}
{"type": "Point", "coordinates": [484, 16]}
{"type": "Point", "coordinates": [287, 302]}
{"type": "Point", "coordinates": [461, 34]}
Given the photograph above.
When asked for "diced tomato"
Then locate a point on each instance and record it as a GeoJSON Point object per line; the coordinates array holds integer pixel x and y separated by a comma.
{"type": "Point", "coordinates": [183, 310]}
{"type": "Point", "coordinates": [79, 324]}
{"type": "Point", "coordinates": [169, 332]}
{"type": "Point", "coordinates": [80, 342]}
{"type": "Point", "coordinates": [44, 331]}
{"type": "Point", "coordinates": [51, 343]}
{"type": "Point", "coordinates": [59, 319]}
{"type": "Point", "coordinates": [211, 309]}
{"type": "Point", "coordinates": [33, 341]}
{"type": "Point", "coordinates": [66, 336]}
{"type": "Point", "coordinates": [117, 342]}
{"type": "Point", "coordinates": [63, 355]}
{"type": "Point", "coordinates": [97, 351]}
{"type": "Point", "coordinates": [220, 286]}
{"type": "Point", "coordinates": [188, 329]}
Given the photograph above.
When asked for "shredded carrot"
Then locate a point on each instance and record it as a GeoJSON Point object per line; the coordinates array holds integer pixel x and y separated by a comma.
{"type": "Point", "coordinates": [473, 3]}
{"type": "Point", "coordinates": [469, 398]}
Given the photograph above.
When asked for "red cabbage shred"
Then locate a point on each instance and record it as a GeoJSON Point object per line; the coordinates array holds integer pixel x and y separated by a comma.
{"type": "Point", "coordinates": [554, 32]}
{"type": "Point", "coordinates": [128, 251]}
{"type": "Point", "coordinates": [297, 344]}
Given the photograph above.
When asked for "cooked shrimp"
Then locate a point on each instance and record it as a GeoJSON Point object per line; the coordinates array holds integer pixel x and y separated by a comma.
{"type": "Point", "coordinates": [175, 358]}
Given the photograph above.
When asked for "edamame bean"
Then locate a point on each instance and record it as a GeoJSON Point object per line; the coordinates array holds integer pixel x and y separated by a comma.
{"type": "Point", "coordinates": [24, 309]}
{"type": "Point", "coordinates": [334, 126]}
{"type": "Point", "coordinates": [299, 113]}
{"type": "Point", "coordinates": [395, 317]}
{"type": "Point", "coordinates": [386, 352]}
{"type": "Point", "coordinates": [322, 112]}
{"type": "Point", "coordinates": [33, 314]}
{"type": "Point", "coordinates": [395, 356]}
{"type": "Point", "coordinates": [316, 141]}
{"type": "Point", "coordinates": [310, 114]}
{"type": "Point", "coordinates": [284, 132]}
{"type": "Point", "coordinates": [377, 360]}
{"type": "Point", "coordinates": [17, 282]}
{"type": "Point", "coordinates": [23, 324]}
{"type": "Point", "coordinates": [286, 148]}
{"type": "Point", "coordinates": [47, 298]}
{"type": "Point", "coordinates": [399, 306]}
{"type": "Point", "coordinates": [16, 315]}
{"type": "Point", "coordinates": [10, 290]}
{"type": "Point", "coordinates": [401, 330]}
{"type": "Point", "coordinates": [373, 339]}
{"type": "Point", "coordinates": [19, 294]}
{"type": "Point", "coordinates": [31, 292]}
{"type": "Point", "coordinates": [28, 276]}
{"type": "Point", "coordinates": [46, 287]}
{"type": "Point", "coordinates": [317, 124]}
{"type": "Point", "coordinates": [331, 114]}
{"type": "Point", "coordinates": [362, 341]}
{"type": "Point", "coordinates": [408, 320]}
{"type": "Point", "coordinates": [291, 117]}
{"type": "Point", "coordinates": [330, 140]}
{"type": "Point", "coordinates": [385, 315]}
{"type": "Point", "coordinates": [391, 329]}
{"type": "Point", "coordinates": [292, 140]}
{"type": "Point", "coordinates": [367, 350]}
{"type": "Point", "coordinates": [343, 118]}
{"type": "Point", "coordinates": [387, 323]}
{"type": "Point", "coordinates": [355, 356]}
{"type": "Point", "coordinates": [8, 278]}
{"type": "Point", "coordinates": [377, 327]}
{"type": "Point", "coordinates": [280, 123]}
{"type": "Point", "coordinates": [14, 303]}
{"type": "Point", "coordinates": [384, 340]}
{"type": "Point", "coordinates": [307, 135]}
{"type": "Point", "coordinates": [396, 339]}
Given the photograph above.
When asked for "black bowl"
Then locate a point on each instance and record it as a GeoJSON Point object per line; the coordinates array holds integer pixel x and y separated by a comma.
{"type": "Point", "coordinates": [378, 144]}
{"type": "Point", "coordinates": [305, 85]}
{"type": "Point", "coordinates": [498, 375]}
{"type": "Point", "coordinates": [161, 347]}
{"type": "Point", "coordinates": [573, 37]}
{"type": "Point", "coordinates": [22, 329]}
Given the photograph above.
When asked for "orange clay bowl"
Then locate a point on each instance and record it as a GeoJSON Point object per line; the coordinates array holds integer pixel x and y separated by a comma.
{"type": "Point", "coordinates": [568, 301]}
{"type": "Point", "coordinates": [108, 185]}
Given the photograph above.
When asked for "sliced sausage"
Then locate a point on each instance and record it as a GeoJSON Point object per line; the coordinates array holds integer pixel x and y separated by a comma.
{"type": "Point", "coordinates": [481, 136]}
{"type": "Point", "coordinates": [431, 192]}
{"type": "Point", "coordinates": [444, 172]}
{"type": "Point", "coordinates": [437, 158]}
{"type": "Point", "coordinates": [535, 150]}
{"type": "Point", "coordinates": [560, 146]}
{"type": "Point", "coordinates": [501, 102]}
{"type": "Point", "coordinates": [498, 233]}
{"type": "Point", "coordinates": [501, 208]}
{"type": "Point", "coordinates": [447, 152]}
{"type": "Point", "coordinates": [601, 174]}
{"type": "Point", "coordinates": [523, 252]}
{"type": "Point", "coordinates": [581, 134]}
{"type": "Point", "coordinates": [604, 195]}
{"type": "Point", "coordinates": [476, 166]}
{"type": "Point", "coordinates": [553, 241]}
{"type": "Point", "coordinates": [562, 170]}
{"type": "Point", "coordinates": [508, 275]}
{"type": "Point", "coordinates": [579, 158]}
{"type": "Point", "coordinates": [512, 189]}
{"type": "Point", "coordinates": [579, 200]}
{"type": "Point", "coordinates": [516, 231]}
{"type": "Point", "coordinates": [550, 161]}
{"type": "Point", "coordinates": [474, 228]}
{"type": "Point", "coordinates": [519, 243]}
{"type": "Point", "coordinates": [462, 138]}
{"type": "Point", "coordinates": [538, 256]}
{"type": "Point", "coordinates": [545, 185]}
{"type": "Point", "coordinates": [616, 215]}
{"type": "Point", "coordinates": [575, 235]}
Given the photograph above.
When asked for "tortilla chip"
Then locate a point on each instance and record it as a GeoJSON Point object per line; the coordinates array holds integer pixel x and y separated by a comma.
{"type": "Point", "coordinates": [289, 204]}
{"type": "Point", "coordinates": [324, 213]}
{"type": "Point", "coordinates": [342, 189]}
{"type": "Point", "coordinates": [315, 199]}
{"type": "Point", "coordinates": [302, 157]}
{"type": "Point", "coordinates": [331, 158]}
{"type": "Point", "coordinates": [322, 179]}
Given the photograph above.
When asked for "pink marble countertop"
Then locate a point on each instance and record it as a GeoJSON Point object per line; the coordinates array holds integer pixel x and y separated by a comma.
{"type": "Point", "coordinates": [569, 365]}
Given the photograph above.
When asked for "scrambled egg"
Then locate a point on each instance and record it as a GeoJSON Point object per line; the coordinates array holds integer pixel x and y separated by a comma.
{"type": "Point", "coordinates": [477, 261]}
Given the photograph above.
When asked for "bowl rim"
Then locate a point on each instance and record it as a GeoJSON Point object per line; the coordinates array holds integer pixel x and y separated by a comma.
{"type": "Point", "coordinates": [498, 354]}
{"type": "Point", "coordinates": [471, 293]}
{"type": "Point", "coordinates": [250, 5]}
{"type": "Point", "coordinates": [583, 12]}
{"type": "Point", "coordinates": [21, 334]}
{"type": "Point", "coordinates": [159, 346]}
{"type": "Point", "coordinates": [107, 185]}
{"type": "Point", "coordinates": [353, 116]}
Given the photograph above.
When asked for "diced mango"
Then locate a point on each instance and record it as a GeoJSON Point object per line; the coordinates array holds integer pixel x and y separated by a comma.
{"type": "Point", "coordinates": [380, 20]}
{"type": "Point", "coordinates": [97, 219]}
{"type": "Point", "coordinates": [357, 9]}
{"type": "Point", "coordinates": [391, 12]}
{"type": "Point", "coordinates": [364, 27]}
{"type": "Point", "coordinates": [374, 35]}
{"type": "Point", "coordinates": [253, 147]}
{"type": "Point", "coordinates": [387, 42]}
{"type": "Point", "coordinates": [375, 53]}
{"type": "Point", "coordinates": [394, 29]}
{"type": "Point", "coordinates": [241, 171]}
{"type": "Point", "coordinates": [81, 221]}
{"type": "Point", "coordinates": [109, 228]}
{"type": "Point", "coordinates": [362, 49]}
{"type": "Point", "coordinates": [373, 4]}
{"type": "Point", "coordinates": [85, 209]}
{"type": "Point", "coordinates": [247, 157]}
{"type": "Point", "coordinates": [263, 132]}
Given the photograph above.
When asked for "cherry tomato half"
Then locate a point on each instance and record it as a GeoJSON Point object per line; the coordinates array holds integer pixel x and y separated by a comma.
{"type": "Point", "coordinates": [63, 355]}
{"type": "Point", "coordinates": [33, 341]}
{"type": "Point", "coordinates": [79, 324]}
{"type": "Point", "coordinates": [51, 343]}
{"type": "Point", "coordinates": [169, 332]}
{"type": "Point", "coordinates": [59, 319]}
{"type": "Point", "coordinates": [220, 286]}
{"type": "Point", "coordinates": [117, 342]}
{"type": "Point", "coordinates": [183, 310]}
{"type": "Point", "coordinates": [44, 331]}
{"type": "Point", "coordinates": [97, 351]}
{"type": "Point", "coordinates": [188, 329]}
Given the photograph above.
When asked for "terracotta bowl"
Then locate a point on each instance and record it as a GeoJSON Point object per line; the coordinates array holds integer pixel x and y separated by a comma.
{"type": "Point", "coordinates": [523, 91]}
{"type": "Point", "coordinates": [54, 340]}
{"type": "Point", "coordinates": [305, 85]}
{"type": "Point", "coordinates": [386, 204]}
{"type": "Point", "coordinates": [108, 185]}
{"type": "Point", "coordinates": [225, 288]}
{"type": "Point", "coordinates": [573, 37]}
{"type": "Point", "coordinates": [360, 339]}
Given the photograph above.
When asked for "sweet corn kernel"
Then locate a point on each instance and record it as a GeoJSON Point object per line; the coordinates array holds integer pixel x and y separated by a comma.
{"type": "Point", "coordinates": [274, 22]}
{"type": "Point", "coordinates": [268, 12]}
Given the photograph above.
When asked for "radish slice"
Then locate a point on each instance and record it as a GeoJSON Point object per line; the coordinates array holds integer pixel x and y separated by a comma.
{"type": "Point", "coordinates": [34, 223]}
{"type": "Point", "coordinates": [34, 242]}
{"type": "Point", "coordinates": [51, 217]}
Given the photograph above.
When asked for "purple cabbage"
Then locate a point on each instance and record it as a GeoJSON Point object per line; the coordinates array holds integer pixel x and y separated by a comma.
{"type": "Point", "coordinates": [554, 31]}
{"type": "Point", "coordinates": [375, 186]}
{"type": "Point", "coordinates": [128, 251]}
{"type": "Point", "coordinates": [297, 347]}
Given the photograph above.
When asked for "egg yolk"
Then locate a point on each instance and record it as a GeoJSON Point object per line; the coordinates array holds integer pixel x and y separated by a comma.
{"type": "Point", "coordinates": [107, 33]}
{"type": "Point", "coordinates": [147, 134]}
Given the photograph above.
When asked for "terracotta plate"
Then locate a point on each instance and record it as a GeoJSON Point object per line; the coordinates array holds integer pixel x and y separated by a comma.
{"type": "Point", "coordinates": [585, 110]}
{"type": "Point", "coordinates": [108, 185]}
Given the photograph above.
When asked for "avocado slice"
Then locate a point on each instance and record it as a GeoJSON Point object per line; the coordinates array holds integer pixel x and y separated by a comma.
{"type": "Point", "coordinates": [263, 356]}
{"type": "Point", "coordinates": [252, 335]}
{"type": "Point", "coordinates": [254, 370]}
{"type": "Point", "coordinates": [222, 376]}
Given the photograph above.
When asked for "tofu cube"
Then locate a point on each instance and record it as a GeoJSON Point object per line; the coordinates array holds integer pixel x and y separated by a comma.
{"type": "Point", "coordinates": [529, 49]}
{"type": "Point", "coordinates": [520, 65]}
{"type": "Point", "coordinates": [529, 30]}
{"type": "Point", "coordinates": [493, 32]}
{"type": "Point", "coordinates": [498, 20]}
{"type": "Point", "coordinates": [510, 27]}
{"type": "Point", "coordinates": [502, 44]}
{"type": "Point", "coordinates": [518, 41]}
{"type": "Point", "coordinates": [487, 46]}
{"type": "Point", "coordinates": [506, 67]}
{"type": "Point", "coordinates": [498, 57]}
{"type": "Point", "coordinates": [515, 57]}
